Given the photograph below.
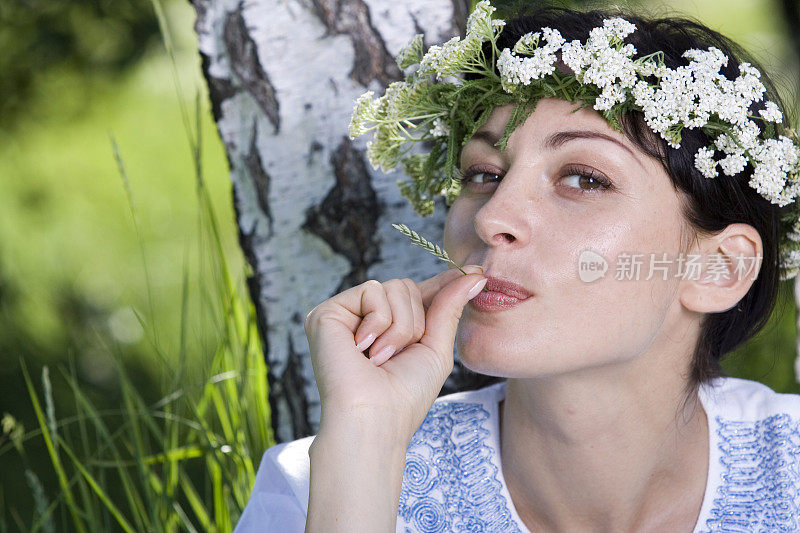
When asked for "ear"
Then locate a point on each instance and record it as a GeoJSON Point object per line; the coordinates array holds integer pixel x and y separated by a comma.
{"type": "Point", "coordinates": [730, 262]}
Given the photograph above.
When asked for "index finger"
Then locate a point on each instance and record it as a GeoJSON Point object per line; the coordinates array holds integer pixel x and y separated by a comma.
{"type": "Point", "coordinates": [431, 286]}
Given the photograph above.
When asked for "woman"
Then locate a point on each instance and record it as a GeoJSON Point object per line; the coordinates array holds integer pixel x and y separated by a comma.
{"type": "Point", "coordinates": [615, 415]}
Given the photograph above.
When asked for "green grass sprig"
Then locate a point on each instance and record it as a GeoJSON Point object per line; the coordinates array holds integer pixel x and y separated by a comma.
{"type": "Point", "coordinates": [417, 239]}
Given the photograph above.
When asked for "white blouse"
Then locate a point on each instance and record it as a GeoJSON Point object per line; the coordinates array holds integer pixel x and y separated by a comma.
{"type": "Point", "coordinates": [453, 478]}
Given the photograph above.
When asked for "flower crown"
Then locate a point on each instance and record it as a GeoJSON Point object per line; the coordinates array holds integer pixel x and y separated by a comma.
{"type": "Point", "coordinates": [454, 88]}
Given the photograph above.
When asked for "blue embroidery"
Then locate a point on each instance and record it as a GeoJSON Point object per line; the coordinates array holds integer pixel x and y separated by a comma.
{"type": "Point", "coordinates": [760, 490]}
{"type": "Point", "coordinates": [450, 483]}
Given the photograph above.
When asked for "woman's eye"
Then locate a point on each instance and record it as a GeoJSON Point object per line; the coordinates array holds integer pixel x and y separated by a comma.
{"type": "Point", "coordinates": [582, 181]}
{"type": "Point", "coordinates": [586, 181]}
{"type": "Point", "coordinates": [482, 177]}
{"type": "Point", "coordinates": [478, 178]}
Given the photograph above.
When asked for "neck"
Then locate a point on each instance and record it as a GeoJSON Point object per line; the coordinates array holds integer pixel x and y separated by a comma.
{"type": "Point", "coordinates": [604, 449]}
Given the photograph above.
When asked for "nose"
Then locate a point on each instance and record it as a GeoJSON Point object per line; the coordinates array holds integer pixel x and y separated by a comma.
{"type": "Point", "coordinates": [501, 220]}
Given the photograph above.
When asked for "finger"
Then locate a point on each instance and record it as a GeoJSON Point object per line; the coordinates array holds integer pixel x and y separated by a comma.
{"type": "Point", "coordinates": [401, 330]}
{"type": "Point", "coordinates": [418, 315]}
{"type": "Point", "coordinates": [431, 286]}
{"type": "Point", "coordinates": [441, 321]}
{"type": "Point", "coordinates": [417, 309]}
{"type": "Point", "coordinates": [372, 306]}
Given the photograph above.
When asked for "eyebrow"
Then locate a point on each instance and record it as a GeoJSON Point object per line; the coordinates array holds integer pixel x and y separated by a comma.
{"type": "Point", "coordinates": [557, 139]}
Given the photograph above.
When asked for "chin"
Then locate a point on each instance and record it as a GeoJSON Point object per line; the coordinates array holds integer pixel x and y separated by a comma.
{"type": "Point", "coordinates": [480, 367]}
{"type": "Point", "coordinates": [507, 363]}
{"type": "Point", "coordinates": [491, 362]}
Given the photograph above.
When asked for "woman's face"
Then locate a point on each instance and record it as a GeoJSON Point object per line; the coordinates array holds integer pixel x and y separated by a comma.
{"type": "Point", "coordinates": [527, 213]}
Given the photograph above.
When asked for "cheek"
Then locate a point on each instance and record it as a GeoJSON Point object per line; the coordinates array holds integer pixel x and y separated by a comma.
{"type": "Point", "coordinates": [629, 303]}
{"type": "Point", "coordinates": [459, 231]}
{"type": "Point", "coordinates": [571, 323]}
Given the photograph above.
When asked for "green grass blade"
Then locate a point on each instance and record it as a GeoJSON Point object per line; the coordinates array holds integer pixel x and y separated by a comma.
{"type": "Point", "coordinates": [135, 503]}
{"type": "Point", "coordinates": [51, 450]}
{"type": "Point", "coordinates": [195, 502]}
{"type": "Point", "coordinates": [89, 502]}
{"type": "Point", "coordinates": [220, 509]}
{"type": "Point", "coordinates": [132, 206]}
{"type": "Point", "coordinates": [183, 518]}
{"type": "Point", "coordinates": [101, 494]}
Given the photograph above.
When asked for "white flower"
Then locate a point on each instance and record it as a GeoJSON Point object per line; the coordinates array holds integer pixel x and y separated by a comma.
{"type": "Point", "coordinates": [611, 67]}
{"type": "Point", "coordinates": [787, 273]}
{"type": "Point", "coordinates": [479, 22]}
{"type": "Point", "coordinates": [733, 164]}
{"type": "Point", "coordinates": [364, 111]}
{"type": "Point", "coordinates": [575, 57]}
{"type": "Point", "coordinates": [748, 84]}
{"type": "Point", "coordinates": [704, 162]}
{"type": "Point", "coordinates": [450, 58]}
{"type": "Point", "coordinates": [410, 54]}
{"type": "Point", "coordinates": [768, 182]}
{"type": "Point", "coordinates": [790, 259]}
{"type": "Point", "coordinates": [527, 43]}
{"type": "Point", "coordinates": [611, 95]}
{"type": "Point", "coordinates": [440, 128]}
{"type": "Point", "coordinates": [794, 234]}
{"type": "Point", "coordinates": [772, 113]}
{"type": "Point", "coordinates": [695, 95]}
{"type": "Point", "coordinates": [554, 40]}
{"type": "Point", "coordinates": [747, 135]}
{"type": "Point", "coordinates": [776, 159]}
{"type": "Point", "coordinates": [515, 70]}
{"type": "Point", "coordinates": [509, 66]}
{"type": "Point", "coordinates": [394, 99]}
{"type": "Point", "coordinates": [708, 61]}
{"type": "Point", "coordinates": [618, 27]}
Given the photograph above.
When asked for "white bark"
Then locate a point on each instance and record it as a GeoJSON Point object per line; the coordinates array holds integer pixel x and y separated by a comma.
{"type": "Point", "coordinates": [314, 219]}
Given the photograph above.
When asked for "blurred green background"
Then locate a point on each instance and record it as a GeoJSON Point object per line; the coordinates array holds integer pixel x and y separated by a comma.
{"type": "Point", "coordinates": [76, 269]}
{"type": "Point", "coordinates": [72, 263]}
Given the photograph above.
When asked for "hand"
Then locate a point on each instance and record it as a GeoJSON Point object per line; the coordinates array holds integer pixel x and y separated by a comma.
{"type": "Point", "coordinates": [417, 321]}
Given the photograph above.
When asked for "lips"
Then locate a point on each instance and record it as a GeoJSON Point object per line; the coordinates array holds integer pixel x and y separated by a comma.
{"type": "Point", "coordinates": [509, 288]}
{"type": "Point", "coordinates": [499, 295]}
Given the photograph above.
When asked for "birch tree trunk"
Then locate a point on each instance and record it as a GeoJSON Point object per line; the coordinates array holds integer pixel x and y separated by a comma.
{"type": "Point", "coordinates": [314, 219]}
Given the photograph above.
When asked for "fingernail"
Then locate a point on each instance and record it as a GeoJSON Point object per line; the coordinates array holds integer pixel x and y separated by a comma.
{"type": "Point", "coordinates": [473, 292]}
{"type": "Point", "coordinates": [382, 356]}
{"type": "Point", "coordinates": [474, 266]}
{"type": "Point", "coordinates": [365, 343]}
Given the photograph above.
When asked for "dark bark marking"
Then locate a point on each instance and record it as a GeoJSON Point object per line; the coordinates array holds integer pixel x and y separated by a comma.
{"type": "Point", "coordinates": [289, 390]}
{"type": "Point", "coordinates": [417, 27]}
{"type": "Point", "coordinates": [313, 150]}
{"type": "Point", "coordinates": [219, 89]}
{"type": "Point", "coordinates": [261, 180]}
{"type": "Point", "coordinates": [254, 280]}
{"type": "Point", "coordinates": [352, 18]}
{"type": "Point", "coordinates": [347, 217]}
{"type": "Point", "coordinates": [254, 287]}
{"type": "Point", "coordinates": [461, 10]}
{"type": "Point", "coordinates": [243, 57]}
{"type": "Point", "coordinates": [201, 8]}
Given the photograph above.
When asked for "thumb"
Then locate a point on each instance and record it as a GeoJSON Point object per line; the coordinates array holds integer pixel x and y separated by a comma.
{"type": "Point", "coordinates": [441, 320]}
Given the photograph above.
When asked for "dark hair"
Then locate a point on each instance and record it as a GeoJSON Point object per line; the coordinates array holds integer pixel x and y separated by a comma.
{"type": "Point", "coordinates": [709, 205]}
